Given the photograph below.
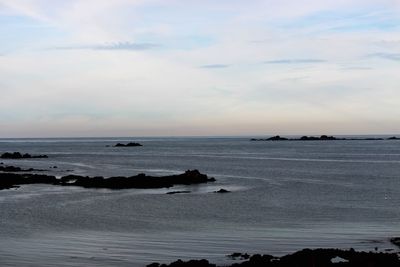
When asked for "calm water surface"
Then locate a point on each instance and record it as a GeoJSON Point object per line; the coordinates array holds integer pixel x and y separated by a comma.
{"type": "Point", "coordinates": [285, 196]}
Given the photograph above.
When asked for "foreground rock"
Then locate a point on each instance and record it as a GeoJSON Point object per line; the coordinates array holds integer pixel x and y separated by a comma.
{"type": "Point", "coordinates": [305, 258]}
{"type": "Point", "coordinates": [395, 241]}
{"type": "Point", "coordinates": [128, 144]}
{"type": "Point", "coordinates": [17, 155]}
{"type": "Point", "coordinates": [9, 180]}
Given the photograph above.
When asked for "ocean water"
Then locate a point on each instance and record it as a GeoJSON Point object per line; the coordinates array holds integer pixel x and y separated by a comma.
{"type": "Point", "coordinates": [285, 196]}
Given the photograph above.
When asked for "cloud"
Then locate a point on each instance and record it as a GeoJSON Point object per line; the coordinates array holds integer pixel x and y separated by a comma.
{"type": "Point", "coordinates": [215, 66]}
{"type": "Point", "coordinates": [209, 76]}
{"type": "Point", "coordinates": [294, 61]}
{"type": "Point", "coordinates": [357, 68]}
{"type": "Point", "coordinates": [111, 46]}
{"type": "Point", "coordinates": [389, 56]}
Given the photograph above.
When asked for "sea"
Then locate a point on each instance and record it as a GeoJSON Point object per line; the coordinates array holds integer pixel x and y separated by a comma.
{"type": "Point", "coordinates": [284, 196]}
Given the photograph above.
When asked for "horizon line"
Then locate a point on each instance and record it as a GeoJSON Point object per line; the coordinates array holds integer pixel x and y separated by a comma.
{"type": "Point", "coordinates": [192, 136]}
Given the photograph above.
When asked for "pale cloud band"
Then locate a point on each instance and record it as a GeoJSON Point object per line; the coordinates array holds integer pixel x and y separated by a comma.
{"type": "Point", "coordinates": [111, 46]}
{"type": "Point", "coordinates": [215, 66]}
{"type": "Point", "coordinates": [389, 56]}
{"type": "Point", "coordinates": [295, 61]}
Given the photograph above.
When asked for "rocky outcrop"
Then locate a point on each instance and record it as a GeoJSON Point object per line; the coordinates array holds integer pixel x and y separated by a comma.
{"type": "Point", "coordinates": [304, 258]}
{"type": "Point", "coordinates": [128, 144]}
{"type": "Point", "coordinates": [17, 155]}
{"type": "Point", "coordinates": [8, 180]}
{"type": "Point", "coordinates": [222, 191]}
{"type": "Point", "coordinates": [319, 138]}
{"type": "Point", "coordinates": [16, 169]}
{"type": "Point", "coordinates": [395, 241]}
{"type": "Point", "coordinates": [273, 138]}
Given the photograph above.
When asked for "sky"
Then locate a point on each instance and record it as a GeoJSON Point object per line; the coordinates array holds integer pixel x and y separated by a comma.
{"type": "Point", "coordinates": [80, 68]}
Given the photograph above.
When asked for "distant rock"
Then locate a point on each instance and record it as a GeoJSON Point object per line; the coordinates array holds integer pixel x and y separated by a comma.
{"type": "Point", "coordinates": [277, 138]}
{"type": "Point", "coordinates": [222, 191]}
{"type": "Point", "coordinates": [17, 155]}
{"type": "Point", "coordinates": [321, 138]}
{"type": "Point", "coordinates": [303, 138]}
{"type": "Point", "coordinates": [393, 138]}
{"type": "Point", "coordinates": [128, 144]}
{"type": "Point", "coordinates": [326, 137]}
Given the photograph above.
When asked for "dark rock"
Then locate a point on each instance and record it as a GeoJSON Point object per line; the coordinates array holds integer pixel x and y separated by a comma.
{"type": "Point", "coordinates": [277, 138]}
{"type": "Point", "coordinates": [128, 144]}
{"type": "Point", "coordinates": [16, 169]}
{"type": "Point", "coordinates": [8, 180]}
{"type": "Point", "coordinates": [10, 169]}
{"type": "Point", "coordinates": [310, 258]}
{"type": "Point", "coordinates": [321, 138]}
{"type": "Point", "coordinates": [222, 191]}
{"type": "Point", "coordinates": [325, 137]}
{"type": "Point", "coordinates": [17, 155]}
{"type": "Point", "coordinates": [395, 241]}
{"type": "Point", "coordinates": [309, 138]}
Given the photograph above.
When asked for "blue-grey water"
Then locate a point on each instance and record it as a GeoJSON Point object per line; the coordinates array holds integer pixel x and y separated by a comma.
{"type": "Point", "coordinates": [285, 196]}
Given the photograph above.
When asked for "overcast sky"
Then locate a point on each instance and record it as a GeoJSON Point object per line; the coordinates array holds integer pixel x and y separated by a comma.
{"type": "Point", "coordinates": [199, 67]}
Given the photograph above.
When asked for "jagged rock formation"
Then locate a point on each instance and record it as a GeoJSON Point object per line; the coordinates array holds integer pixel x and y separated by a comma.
{"type": "Point", "coordinates": [9, 180]}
